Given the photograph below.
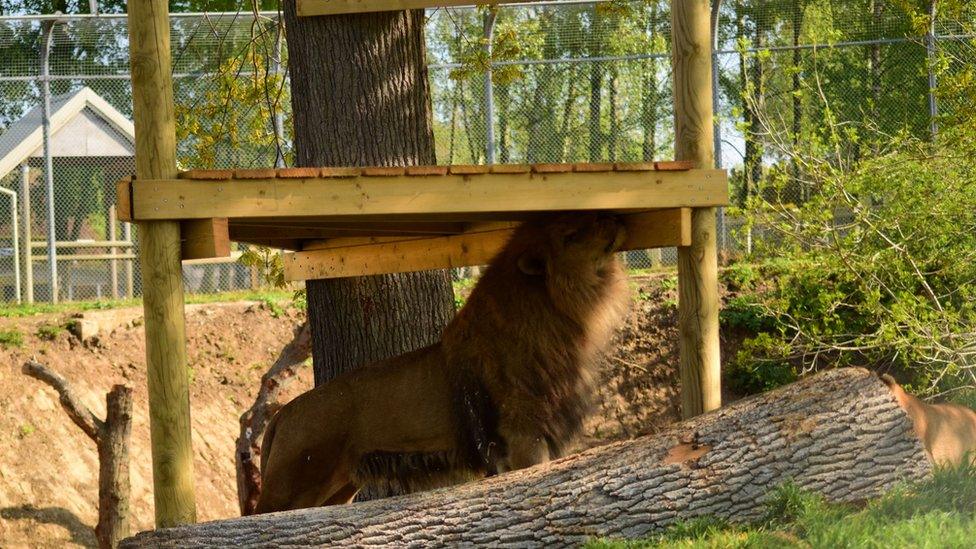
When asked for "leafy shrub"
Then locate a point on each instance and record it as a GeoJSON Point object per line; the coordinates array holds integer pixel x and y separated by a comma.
{"type": "Point", "coordinates": [739, 276]}
{"type": "Point", "coordinates": [877, 266]}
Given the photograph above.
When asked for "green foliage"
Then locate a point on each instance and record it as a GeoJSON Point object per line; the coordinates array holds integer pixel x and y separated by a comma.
{"type": "Point", "coordinates": [743, 312]}
{"type": "Point", "coordinates": [49, 332]}
{"type": "Point", "coordinates": [760, 365]}
{"type": "Point", "coordinates": [739, 277]}
{"type": "Point", "coordinates": [937, 512]}
{"type": "Point", "coordinates": [227, 122]}
{"type": "Point", "coordinates": [273, 307]}
{"type": "Point", "coordinates": [877, 265]}
{"type": "Point", "coordinates": [669, 283]}
{"type": "Point", "coordinates": [10, 339]}
{"type": "Point", "coordinates": [268, 263]}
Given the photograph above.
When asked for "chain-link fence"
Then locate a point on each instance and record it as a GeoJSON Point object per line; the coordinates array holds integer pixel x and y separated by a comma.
{"type": "Point", "coordinates": [552, 82]}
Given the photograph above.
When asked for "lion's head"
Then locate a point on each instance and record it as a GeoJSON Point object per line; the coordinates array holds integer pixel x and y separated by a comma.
{"type": "Point", "coordinates": [574, 243]}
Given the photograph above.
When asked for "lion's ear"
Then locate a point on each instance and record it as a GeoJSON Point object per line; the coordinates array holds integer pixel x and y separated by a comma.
{"type": "Point", "coordinates": [531, 264]}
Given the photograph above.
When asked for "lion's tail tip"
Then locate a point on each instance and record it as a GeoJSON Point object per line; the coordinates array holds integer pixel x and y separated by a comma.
{"type": "Point", "coordinates": [888, 380]}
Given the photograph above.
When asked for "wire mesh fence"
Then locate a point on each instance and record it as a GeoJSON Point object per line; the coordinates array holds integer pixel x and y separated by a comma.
{"type": "Point", "coordinates": [564, 82]}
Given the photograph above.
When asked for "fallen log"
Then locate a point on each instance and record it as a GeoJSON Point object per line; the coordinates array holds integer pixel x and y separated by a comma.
{"type": "Point", "coordinates": [840, 433]}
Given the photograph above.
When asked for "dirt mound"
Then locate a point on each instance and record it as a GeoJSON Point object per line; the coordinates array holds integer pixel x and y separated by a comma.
{"type": "Point", "coordinates": [48, 468]}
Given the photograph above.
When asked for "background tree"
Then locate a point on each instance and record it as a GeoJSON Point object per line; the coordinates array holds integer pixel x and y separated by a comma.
{"type": "Point", "coordinates": [360, 96]}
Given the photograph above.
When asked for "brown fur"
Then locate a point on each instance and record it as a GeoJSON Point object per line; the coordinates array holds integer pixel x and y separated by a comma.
{"type": "Point", "coordinates": [508, 385]}
{"type": "Point", "coordinates": [948, 431]}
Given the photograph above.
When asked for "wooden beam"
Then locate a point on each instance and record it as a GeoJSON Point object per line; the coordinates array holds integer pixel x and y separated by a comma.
{"type": "Point", "coordinates": [162, 276]}
{"type": "Point", "coordinates": [312, 228]}
{"type": "Point", "coordinates": [309, 8]}
{"type": "Point", "coordinates": [123, 199]}
{"type": "Point", "coordinates": [698, 303]}
{"type": "Point", "coordinates": [203, 238]}
{"type": "Point", "coordinates": [359, 257]}
{"type": "Point", "coordinates": [425, 195]}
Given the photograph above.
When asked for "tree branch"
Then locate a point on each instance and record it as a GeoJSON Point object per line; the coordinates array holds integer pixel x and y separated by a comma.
{"type": "Point", "coordinates": [78, 412]}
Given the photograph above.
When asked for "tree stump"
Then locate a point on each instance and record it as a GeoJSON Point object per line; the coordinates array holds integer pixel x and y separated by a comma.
{"type": "Point", "coordinates": [840, 433]}
{"type": "Point", "coordinates": [112, 439]}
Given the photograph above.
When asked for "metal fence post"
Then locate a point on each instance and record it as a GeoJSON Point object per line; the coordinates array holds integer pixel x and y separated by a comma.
{"type": "Point", "coordinates": [15, 238]}
{"type": "Point", "coordinates": [26, 250]}
{"type": "Point", "coordinates": [930, 44]}
{"type": "Point", "coordinates": [52, 259]}
{"type": "Point", "coordinates": [717, 130]}
{"type": "Point", "coordinates": [489, 90]}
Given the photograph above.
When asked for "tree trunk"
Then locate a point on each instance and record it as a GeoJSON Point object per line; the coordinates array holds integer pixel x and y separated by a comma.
{"type": "Point", "coordinates": [360, 96]}
{"type": "Point", "coordinates": [113, 469]}
{"type": "Point", "coordinates": [840, 433]}
{"type": "Point", "coordinates": [596, 102]}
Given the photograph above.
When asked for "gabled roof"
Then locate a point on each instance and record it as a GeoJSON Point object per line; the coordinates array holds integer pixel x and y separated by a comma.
{"type": "Point", "coordinates": [82, 112]}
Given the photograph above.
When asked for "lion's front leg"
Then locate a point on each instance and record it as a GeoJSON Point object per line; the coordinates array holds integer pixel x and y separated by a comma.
{"type": "Point", "coordinates": [523, 450]}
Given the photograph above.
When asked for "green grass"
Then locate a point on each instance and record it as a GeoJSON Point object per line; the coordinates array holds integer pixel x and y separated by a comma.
{"type": "Point", "coordinates": [936, 513]}
{"type": "Point", "coordinates": [49, 332]}
{"type": "Point", "coordinates": [11, 338]}
{"type": "Point", "coordinates": [24, 310]}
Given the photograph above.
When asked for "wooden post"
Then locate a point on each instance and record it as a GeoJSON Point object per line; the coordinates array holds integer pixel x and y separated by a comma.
{"type": "Point", "coordinates": [129, 284]}
{"type": "Point", "coordinates": [25, 234]}
{"type": "Point", "coordinates": [162, 280]}
{"type": "Point", "coordinates": [698, 303]}
{"type": "Point", "coordinates": [113, 264]}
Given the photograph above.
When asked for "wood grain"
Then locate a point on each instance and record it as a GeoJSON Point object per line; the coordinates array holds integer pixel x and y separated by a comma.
{"type": "Point", "coordinates": [428, 195]}
{"type": "Point", "coordinates": [162, 276]}
{"type": "Point", "coordinates": [698, 303]}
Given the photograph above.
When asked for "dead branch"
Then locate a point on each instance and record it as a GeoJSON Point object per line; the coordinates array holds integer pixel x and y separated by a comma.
{"type": "Point", "coordinates": [78, 412]}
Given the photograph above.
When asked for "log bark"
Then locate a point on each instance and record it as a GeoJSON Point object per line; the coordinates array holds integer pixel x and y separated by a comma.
{"type": "Point", "coordinates": [112, 439]}
{"type": "Point", "coordinates": [840, 433]}
{"type": "Point", "coordinates": [255, 420]}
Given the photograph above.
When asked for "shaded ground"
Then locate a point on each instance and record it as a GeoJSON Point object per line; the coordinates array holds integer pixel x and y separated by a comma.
{"type": "Point", "coordinates": [48, 468]}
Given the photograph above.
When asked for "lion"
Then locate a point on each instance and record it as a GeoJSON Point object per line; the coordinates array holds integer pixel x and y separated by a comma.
{"type": "Point", "coordinates": [507, 387]}
{"type": "Point", "coordinates": [948, 431]}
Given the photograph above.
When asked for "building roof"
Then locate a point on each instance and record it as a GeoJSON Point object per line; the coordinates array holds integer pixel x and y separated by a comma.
{"type": "Point", "coordinates": [83, 124]}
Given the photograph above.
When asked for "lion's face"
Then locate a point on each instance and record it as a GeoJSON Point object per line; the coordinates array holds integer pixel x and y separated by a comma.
{"type": "Point", "coordinates": [575, 243]}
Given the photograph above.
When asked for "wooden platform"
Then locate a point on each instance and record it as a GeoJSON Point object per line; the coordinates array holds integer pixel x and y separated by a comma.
{"type": "Point", "coordinates": [307, 8]}
{"type": "Point", "coordinates": [355, 221]}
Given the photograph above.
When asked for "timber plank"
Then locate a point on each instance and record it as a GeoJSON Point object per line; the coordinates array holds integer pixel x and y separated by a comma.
{"type": "Point", "coordinates": [369, 256]}
{"type": "Point", "coordinates": [395, 196]}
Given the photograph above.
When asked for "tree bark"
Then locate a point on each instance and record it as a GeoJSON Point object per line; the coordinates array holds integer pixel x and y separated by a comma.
{"type": "Point", "coordinates": [840, 433]}
{"type": "Point", "coordinates": [360, 96]}
{"type": "Point", "coordinates": [112, 439]}
{"type": "Point", "coordinates": [113, 469]}
{"type": "Point", "coordinates": [255, 420]}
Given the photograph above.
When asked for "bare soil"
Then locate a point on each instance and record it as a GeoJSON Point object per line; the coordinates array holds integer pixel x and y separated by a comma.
{"type": "Point", "coordinates": [48, 468]}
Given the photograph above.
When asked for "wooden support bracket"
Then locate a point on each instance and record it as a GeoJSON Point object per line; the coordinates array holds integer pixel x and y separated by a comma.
{"type": "Point", "coordinates": [368, 256]}
{"type": "Point", "coordinates": [204, 238]}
